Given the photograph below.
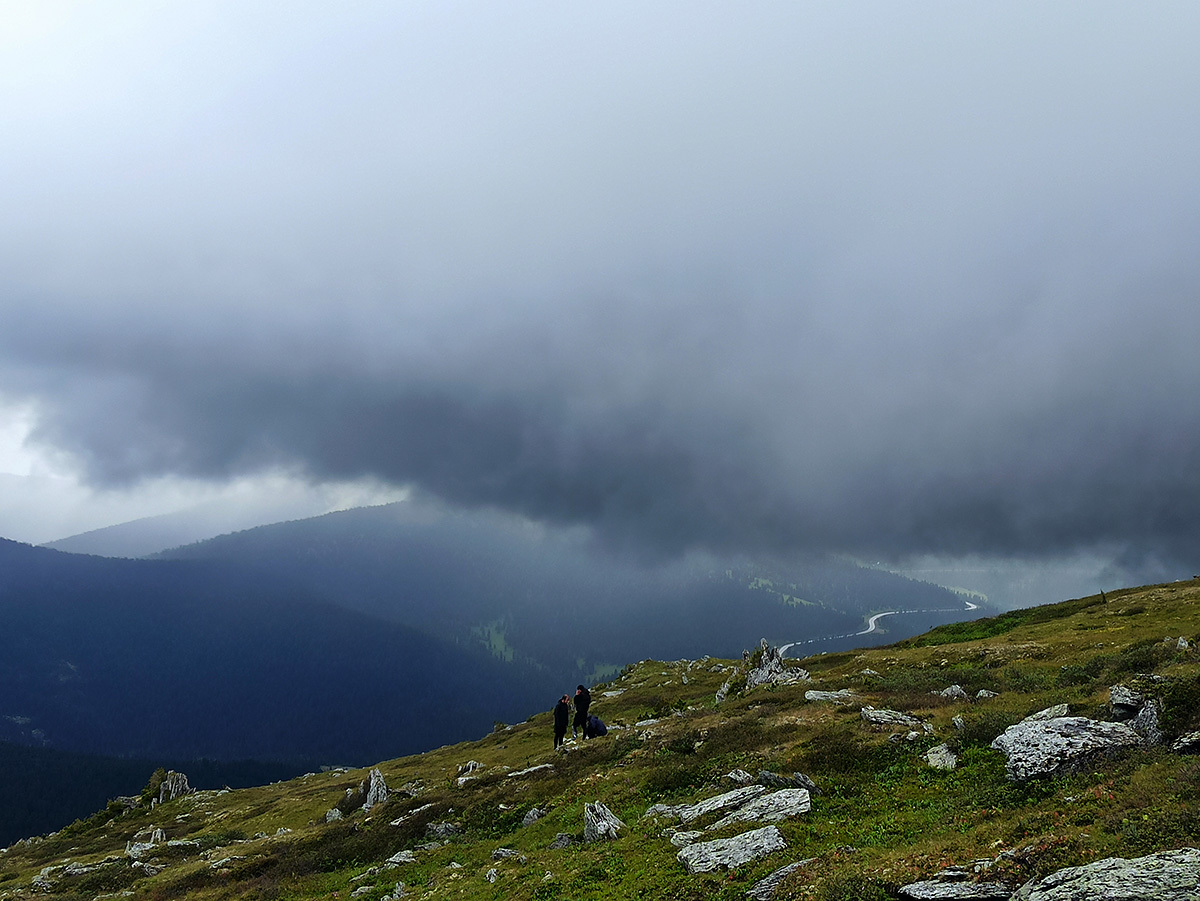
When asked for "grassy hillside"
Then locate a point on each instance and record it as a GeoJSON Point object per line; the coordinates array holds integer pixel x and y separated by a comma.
{"type": "Point", "coordinates": [883, 817]}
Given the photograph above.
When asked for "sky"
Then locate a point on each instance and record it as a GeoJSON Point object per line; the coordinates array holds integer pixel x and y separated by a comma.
{"type": "Point", "coordinates": [908, 281]}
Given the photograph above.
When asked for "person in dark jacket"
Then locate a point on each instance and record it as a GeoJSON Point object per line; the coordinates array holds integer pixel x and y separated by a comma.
{"type": "Point", "coordinates": [562, 712]}
{"type": "Point", "coordinates": [583, 700]}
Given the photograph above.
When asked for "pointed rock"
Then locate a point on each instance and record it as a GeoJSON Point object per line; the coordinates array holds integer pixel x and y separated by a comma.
{"type": "Point", "coordinates": [600, 823]}
{"type": "Point", "coordinates": [375, 789]}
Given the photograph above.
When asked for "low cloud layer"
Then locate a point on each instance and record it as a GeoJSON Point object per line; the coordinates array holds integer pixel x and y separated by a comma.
{"type": "Point", "coordinates": [918, 282]}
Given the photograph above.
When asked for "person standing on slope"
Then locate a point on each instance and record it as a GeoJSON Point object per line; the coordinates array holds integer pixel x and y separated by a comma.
{"type": "Point", "coordinates": [583, 700]}
{"type": "Point", "coordinates": [562, 711]}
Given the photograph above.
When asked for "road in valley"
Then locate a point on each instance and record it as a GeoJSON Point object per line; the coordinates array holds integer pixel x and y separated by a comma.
{"type": "Point", "coordinates": [872, 626]}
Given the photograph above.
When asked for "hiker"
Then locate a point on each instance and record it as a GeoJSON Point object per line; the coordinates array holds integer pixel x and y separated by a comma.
{"type": "Point", "coordinates": [583, 700]}
{"type": "Point", "coordinates": [595, 727]}
{"type": "Point", "coordinates": [562, 710]}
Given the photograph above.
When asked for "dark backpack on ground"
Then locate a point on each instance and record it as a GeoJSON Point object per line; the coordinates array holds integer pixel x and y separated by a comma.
{"type": "Point", "coordinates": [595, 727]}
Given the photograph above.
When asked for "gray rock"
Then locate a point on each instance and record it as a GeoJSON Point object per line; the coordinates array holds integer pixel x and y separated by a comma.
{"type": "Point", "coordinates": [684, 838]}
{"type": "Point", "coordinates": [796, 780]}
{"type": "Point", "coordinates": [1125, 701]}
{"type": "Point", "coordinates": [727, 853]}
{"type": "Point", "coordinates": [983, 694]}
{"type": "Point", "coordinates": [492, 875]}
{"type": "Point", "coordinates": [441, 830]}
{"type": "Point", "coordinates": [666, 811]}
{"type": "Point", "coordinates": [399, 858]}
{"type": "Point", "coordinates": [374, 788]}
{"type": "Point", "coordinates": [174, 785]}
{"type": "Point", "coordinates": [1052, 746]}
{"type": "Point", "coordinates": [772, 808]}
{"type": "Point", "coordinates": [533, 816]}
{"type": "Point", "coordinates": [765, 888]}
{"type": "Point", "coordinates": [506, 853]}
{"type": "Point", "coordinates": [723, 691]}
{"type": "Point", "coordinates": [771, 670]}
{"type": "Point", "coordinates": [843, 696]}
{"type": "Point", "coordinates": [1187, 744]}
{"type": "Point", "coordinates": [889, 718]}
{"type": "Point", "coordinates": [1050, 713]}
{"type": "Point", "coordinates": [941, 757]}
{"type": "Point", "coordinates": [1166, 876]}
{"type": "Point", "coordinates": [600, 823]}
{"type": "Point", "coordinates": [730, 799]}
{"type": "Point", "coordinates": [931, 889]}
{"type": "Point", "coordinates": [1145, 723]}
{"type": "Point", "coordinates": [955, 692]}
{"type": "Point", "coordinates": [741, 777]}
{"type": "Point", "coordinates": [529, 771]}
{"type": "Point", "coordinates": [562, 840]}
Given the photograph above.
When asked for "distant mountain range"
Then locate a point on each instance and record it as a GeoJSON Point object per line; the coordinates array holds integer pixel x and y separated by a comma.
{"type": "Point", "coordinates": [381, 631]}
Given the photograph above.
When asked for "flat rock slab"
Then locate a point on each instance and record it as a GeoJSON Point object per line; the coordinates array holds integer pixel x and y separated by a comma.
{"type": "Point", "coordinates": [728, 853]}
{"type": "Point", "coordinates": [772, 808]}
{"type": "Point", "coordinates": [1053, 746]}
{"type": "Point", "coordinates": [843, 696]}
{"type": "Point", "coordinates": [735, 798]}
{"type": "Point", "coordinates": [936, 890]}
{"type": "Point", "coordinates": [876, 717]}
{"type": "Point", "coordinates": [1166, 876]}
{"type": "Point", "coordinates": [765, 888]}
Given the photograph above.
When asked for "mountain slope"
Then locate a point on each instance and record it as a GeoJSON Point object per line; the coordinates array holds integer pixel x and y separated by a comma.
{"type": "Point", "coordinates": [883, 817]}
{"type": "Point", "coordinates": [552, 599]}
{"type": "Point", "coordinates": [189, 659]}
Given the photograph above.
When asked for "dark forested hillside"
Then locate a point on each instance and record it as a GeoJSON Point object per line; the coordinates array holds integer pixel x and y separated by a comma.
{"type": "Point", "coordinates": [553, 600]}
{"type": "Point", "coordinates": [197, 659]}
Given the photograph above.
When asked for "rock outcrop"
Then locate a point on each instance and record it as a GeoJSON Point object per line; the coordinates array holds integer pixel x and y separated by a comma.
{"type": "Point", "coordinates": [765, 888]}
{"type": "Point", "coordinates": [936, 890]}
{"type": "Point", "coordinates": [730, 799]}
{"type": "Point", "coordinates": [374, 789]}
{"type": "Point", "coordinates": [842, 696]}
{"type": "Point", "coordinates": [174, 785]}
{"type": "Point", "coordinates": [600, 823]}
{"type": "Point", "coordinates": [940, 757]}
{"type": "Point", "coordinates": [1047, 747]}
{"type": "Point", "coordinates": [727, 853]}
{"type": "Point", "coordinates": [771, 669]}
{"type": "Point", "coordinates": [1166, 876]}
{"type": "Point", "coordinates": [889, 718]}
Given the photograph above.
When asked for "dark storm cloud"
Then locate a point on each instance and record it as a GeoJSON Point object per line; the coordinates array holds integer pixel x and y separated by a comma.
{"type": "Point", "coordinates": [774, 280]}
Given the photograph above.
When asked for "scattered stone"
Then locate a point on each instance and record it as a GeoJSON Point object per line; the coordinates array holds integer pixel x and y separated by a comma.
{"type": "Point", "coordinates": [492, 875]}
{"type": "Point", "coordinates": [941, 757]}
{"type": "Point", "coordinates": [613, 694]}
{"type": "Point", "coordinates": [932, 889]}
{"type": "Point", "coordinates": [796, 780]}
{"type": "Point", "coordinates": [960, 724]}
{"type": "Point", "coordinates": [771, 669]}
{"type": "Point", "coordinates": [983, 694]}
{"type": "Point", "coordinates": [533, 816]}
{"type": "Point", "coordinates": [684, 838]}
{"type": "Point", "coordinates": [669, 811]}
{"type": "Point", "coordinates": [888, 718]}
{"type": "Point", "coordinates": [396, 894]}
{"type": "Point", "coordinates": [955, 693]}
{"type": "Point", "coordinates": [723, 691]}
{"type": "Point", "coordinates": [401, 820]}
{"type": "Point", "coordinates": [1181, 643]}
{"type": "Point", "coordinates": [1125, 701]}
{"type": "Point", "coordinates": [143, 842]}
{"type": "Point", "coordinates": [562, 840]}
{"type": "Point", "coordinates": [333, 815]}
{"type": "Point", "coordinates": [466, 769]}
{"type": "Point", "coordinates": [867, 672]}
{"type": "Point", "coordinates": [600, 823]}
{"type": "Point", "coordinates": [765, 888]}
{"type": "Point", "coordinates": [730, 799]}
{"type": "Point", "coordinates": [1050, 713]}
{"type": "Point", "coordinates": [1166, 876]}
{"type": "Point", "coordinates": [398, 859]}
{"type": "Point", "coordinates": [505, 853]}
{"type": "Point", "coordinates": [843, 696]}
{"type": "Point", "coordinates": [1047, 747]}
{"type": "Point", "coordinates": [740, 777]}
{"type": "Point", "coordinates": [540, 768]}
{"type": "Point", "coordinates": [728, 853]}
{"type": "Point", "coordinates": [1187, 744]}
{"type": "Point", "coordinates": [362, 890]}
{"type": "Point", "coordinates": [441, 830]}
{"type": "Point", "coordinates": [772, 808]}
{"type": "Point", "coordinates": [1145, 723]}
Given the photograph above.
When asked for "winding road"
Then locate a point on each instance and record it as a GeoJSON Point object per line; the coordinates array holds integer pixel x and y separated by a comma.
{"type": "Point", "coordinates": [872, 626]}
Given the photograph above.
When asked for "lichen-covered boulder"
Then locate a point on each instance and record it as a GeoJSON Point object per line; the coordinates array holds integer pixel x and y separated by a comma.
{"type": "Point", "coordinates": [772, 808]}
{"type": "Point", "coordinates": [727, 853]}
{"type": "Point", "coordinates": [600, 823]}
{"type": "Point", "coordinates": [1166, 876]}
{"type": "Point", "coordinates": [1048, 747]}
